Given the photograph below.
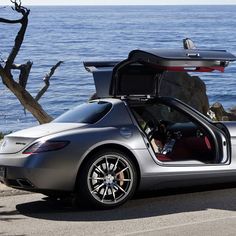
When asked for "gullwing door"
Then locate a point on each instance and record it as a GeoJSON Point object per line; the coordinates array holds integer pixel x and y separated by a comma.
{"type": "Point", "coordinates": [141, 73]}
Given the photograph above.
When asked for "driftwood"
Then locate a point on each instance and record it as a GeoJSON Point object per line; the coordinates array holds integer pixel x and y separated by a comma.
{"type": "Point", "coordinates": [18, 87]}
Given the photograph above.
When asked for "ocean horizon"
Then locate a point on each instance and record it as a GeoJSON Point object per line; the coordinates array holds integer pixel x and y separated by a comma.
{"type": "Point", "coordinates": [122, 5]}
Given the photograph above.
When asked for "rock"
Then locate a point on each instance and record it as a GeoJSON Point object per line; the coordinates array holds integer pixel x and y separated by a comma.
{"type": "Point", "coordinates": [187, 88]}
{"type": "Point", "coordinates": [233, 110]}
{"type": "Point", "coordinates": [218, 113]}
{"type": "Point", "coordinates": [192, 90]}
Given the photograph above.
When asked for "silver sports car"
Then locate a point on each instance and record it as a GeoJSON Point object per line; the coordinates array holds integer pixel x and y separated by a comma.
{"type": "Point", "coordinates": [126, 139]}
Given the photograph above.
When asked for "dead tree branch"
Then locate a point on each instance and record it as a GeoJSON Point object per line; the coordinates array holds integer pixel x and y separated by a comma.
{"type": "Point", "coordinates": [2, 20]}
{"type": "Point", "coordinates": [24, 72]}
{"type": "Point", "coordinates": [46, 80]}
{"type": "Point", "coordinates": [20, 36]}
{"type": "Point", "coordinates": [19, 88]}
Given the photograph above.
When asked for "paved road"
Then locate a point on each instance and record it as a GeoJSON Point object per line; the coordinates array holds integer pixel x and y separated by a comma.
{"type": "Point", "coordinates": [197, 213]}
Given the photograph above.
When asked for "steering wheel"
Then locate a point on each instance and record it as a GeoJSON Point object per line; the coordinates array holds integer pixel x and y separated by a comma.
{"type": "Point", "coordinates": [158, 127]}
{"type": "Point", "coordinates": [151, 127]}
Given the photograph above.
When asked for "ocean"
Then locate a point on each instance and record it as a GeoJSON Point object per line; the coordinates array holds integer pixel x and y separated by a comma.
{"type": "Point", "coordinates": [83, 33]}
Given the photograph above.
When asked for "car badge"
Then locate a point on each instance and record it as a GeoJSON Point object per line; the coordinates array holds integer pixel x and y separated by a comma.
{"type": "Point", "coordinates": [18, 143]}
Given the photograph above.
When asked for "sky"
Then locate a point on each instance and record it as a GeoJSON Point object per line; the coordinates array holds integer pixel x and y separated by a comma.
{"type": "Point", "coordinates": [123, 2]}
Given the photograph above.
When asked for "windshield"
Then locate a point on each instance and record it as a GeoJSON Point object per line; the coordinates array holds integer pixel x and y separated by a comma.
{"type": "Point", "coordinates": [86, 113]}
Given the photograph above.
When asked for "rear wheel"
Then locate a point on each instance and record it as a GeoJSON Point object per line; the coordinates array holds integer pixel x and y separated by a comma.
{"type": "Point", "coordinates": [108, 179]}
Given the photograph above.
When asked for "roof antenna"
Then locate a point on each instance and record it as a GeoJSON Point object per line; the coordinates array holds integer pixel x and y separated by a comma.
{"type": "Point", "coordinates": [188, 44]}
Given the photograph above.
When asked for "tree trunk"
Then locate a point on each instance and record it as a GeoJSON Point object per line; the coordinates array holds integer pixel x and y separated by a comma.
{"type": "Point", "coordinates": [25, 99]}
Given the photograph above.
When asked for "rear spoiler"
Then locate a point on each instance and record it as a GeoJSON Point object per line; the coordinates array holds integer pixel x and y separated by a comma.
{"type": "Point", "coordinates": [92, 66]}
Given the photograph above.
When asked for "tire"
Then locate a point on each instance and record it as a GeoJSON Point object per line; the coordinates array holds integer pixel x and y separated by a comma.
{"type": "Point", "coordinates": [107, 180]}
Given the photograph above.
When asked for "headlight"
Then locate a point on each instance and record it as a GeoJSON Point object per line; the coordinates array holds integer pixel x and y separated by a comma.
{"type": "Point", "coordinates": [45, 146]}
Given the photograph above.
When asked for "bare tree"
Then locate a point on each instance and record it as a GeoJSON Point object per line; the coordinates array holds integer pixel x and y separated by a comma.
{"type": "Point", "coordinates": [18, 87]}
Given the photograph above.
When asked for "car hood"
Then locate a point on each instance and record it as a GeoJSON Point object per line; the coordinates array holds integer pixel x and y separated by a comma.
{"type": "Point", "coordinates": [17, 141]}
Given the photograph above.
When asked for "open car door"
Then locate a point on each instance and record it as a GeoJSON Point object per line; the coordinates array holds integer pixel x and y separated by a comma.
{"type": "Point", "coordinates": [141, 73]}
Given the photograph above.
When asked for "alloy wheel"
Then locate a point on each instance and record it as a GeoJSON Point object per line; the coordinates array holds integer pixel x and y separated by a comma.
{"type": "Point", "coordinates": [110, 179]}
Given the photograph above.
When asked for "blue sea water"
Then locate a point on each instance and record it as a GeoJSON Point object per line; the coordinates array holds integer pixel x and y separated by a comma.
{"type": "Point", "coordinates": [79, 33]}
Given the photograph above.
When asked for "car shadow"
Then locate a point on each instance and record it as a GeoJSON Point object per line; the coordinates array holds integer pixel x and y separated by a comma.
{"type": "Point", "coordinates": [7, 215]}
{"type": "Point", "coordinates": [141, 206]}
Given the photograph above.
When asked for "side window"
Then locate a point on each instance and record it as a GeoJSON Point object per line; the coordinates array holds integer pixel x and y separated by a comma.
{"type": "Point", "coordinates": [85, 113]}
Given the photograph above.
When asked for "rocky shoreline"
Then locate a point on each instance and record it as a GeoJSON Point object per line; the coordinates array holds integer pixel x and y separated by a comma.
{"type": "Point", "coordinates": [218, 113]}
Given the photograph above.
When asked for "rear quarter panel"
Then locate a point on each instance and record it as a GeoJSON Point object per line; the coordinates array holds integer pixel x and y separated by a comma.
{"type": "Point", "coordinates": [115, 128]}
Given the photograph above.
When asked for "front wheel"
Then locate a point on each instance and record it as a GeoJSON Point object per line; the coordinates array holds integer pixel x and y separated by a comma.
{"type": "Point", "coordinates": [108, 179]}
